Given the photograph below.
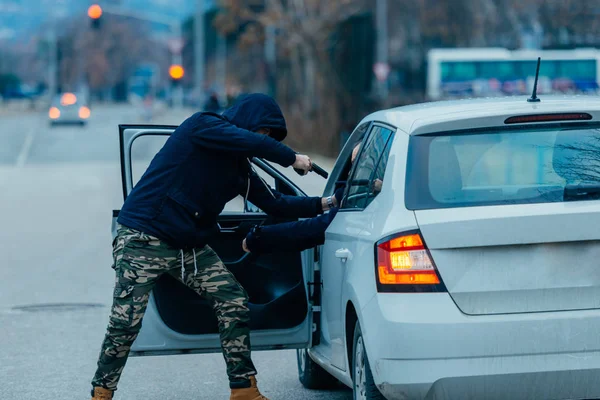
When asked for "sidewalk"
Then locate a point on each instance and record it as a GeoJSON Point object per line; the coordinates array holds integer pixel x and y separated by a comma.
{"type": "Point", "coordinates": [12, 109]}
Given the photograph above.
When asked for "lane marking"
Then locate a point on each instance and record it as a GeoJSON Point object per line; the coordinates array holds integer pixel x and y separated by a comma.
{"type": "Point", "coordinates": [24, 153]}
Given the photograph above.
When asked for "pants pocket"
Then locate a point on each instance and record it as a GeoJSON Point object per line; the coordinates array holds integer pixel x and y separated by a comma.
{"type": "Point", "coordinates": [137, 268]}
{"type": "Point", "coordinates": [121, 315]}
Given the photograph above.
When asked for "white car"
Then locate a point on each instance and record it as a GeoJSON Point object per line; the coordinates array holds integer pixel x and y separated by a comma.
{"type": "Point", "coordinates": [473, 274]}
{"type": "Point", "coordinates": [68, 108]}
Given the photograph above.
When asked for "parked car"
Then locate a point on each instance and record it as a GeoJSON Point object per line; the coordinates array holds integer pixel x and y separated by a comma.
{"type": "Point", "coordinates": [472, 274]}
{"type": "Point", "coordinates": [68, 108]}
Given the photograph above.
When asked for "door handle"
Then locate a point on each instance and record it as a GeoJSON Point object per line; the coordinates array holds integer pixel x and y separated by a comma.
{"type": "Point", "coordinates": [343, 254]}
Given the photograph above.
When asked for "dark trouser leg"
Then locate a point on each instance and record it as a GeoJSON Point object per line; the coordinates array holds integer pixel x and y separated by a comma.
{"type": "Point", "coordinates": [230, 302]}
{"type": "Point", "coordinates": [139, 260]}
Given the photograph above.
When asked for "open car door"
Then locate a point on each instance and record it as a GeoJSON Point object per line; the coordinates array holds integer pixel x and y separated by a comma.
{"type": "Point", "coordinates": [177, 319]}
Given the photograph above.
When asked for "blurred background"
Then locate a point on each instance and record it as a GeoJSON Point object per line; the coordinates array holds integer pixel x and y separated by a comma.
{"type": "Point", "coordinates": [71, 71]}
{"type": "Point", "coordinates": [327, 62]}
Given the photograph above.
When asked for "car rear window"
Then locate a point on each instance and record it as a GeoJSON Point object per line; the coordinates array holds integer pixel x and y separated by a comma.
{"type": "Point", "coordinates": [502, 166]}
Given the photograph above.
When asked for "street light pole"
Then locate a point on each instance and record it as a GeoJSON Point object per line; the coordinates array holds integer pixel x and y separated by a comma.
{"type": "Point", "coordinates": [382, 43]}
{"type": "Point", "coordinates": [178, 60]}
{"type": "Point", "coordinates": [222, 64]}
{"type": "Point", "coordinates": [271, 55]}
{"type": "Point", "coordinates": [199, 49]}
{"type": "Point", "coordinates": [52, 62]}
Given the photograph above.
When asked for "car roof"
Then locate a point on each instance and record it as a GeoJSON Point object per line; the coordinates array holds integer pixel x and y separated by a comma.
{"type": "Point", "coordinates": [476, 113]}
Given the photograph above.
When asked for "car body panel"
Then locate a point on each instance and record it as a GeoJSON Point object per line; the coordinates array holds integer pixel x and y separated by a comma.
{"type": "Point", "coordinates": [438, 347]}
{"type": "Point", "coordinates": [523, 258]}
{"type": "Point", "coordinates": [451, 115]}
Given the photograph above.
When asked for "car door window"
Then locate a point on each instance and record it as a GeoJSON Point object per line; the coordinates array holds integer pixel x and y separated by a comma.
{"type": "Point", "coordinates": [143, 150]}
{"type": "Point", "coordinates": [237, 204]}
{"type": "Point", "coordinates": [370, 167]}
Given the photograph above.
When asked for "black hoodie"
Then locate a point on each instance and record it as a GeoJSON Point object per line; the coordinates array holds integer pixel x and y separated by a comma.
{"type": "Point", "coordinates": [203, 165]}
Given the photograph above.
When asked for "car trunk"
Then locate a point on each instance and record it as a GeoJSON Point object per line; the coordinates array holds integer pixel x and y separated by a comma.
{"type": "Point", "coordinates": [517, 258]}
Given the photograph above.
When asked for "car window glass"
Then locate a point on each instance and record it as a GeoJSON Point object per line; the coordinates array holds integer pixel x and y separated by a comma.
{"type": "Point", "coordinates": [237, 204]}
{"type": "Point", "coordinates": [143, 150]}
{"type": "Point", "coordinates": [357, 137]}
{"type": "Point", "coordinates": [500, 167]}
{"type": "Point", "coordinates": [377, 178]}
{"type": "Point", "coordinates": [343, 165]}
{"type": "Point", "coordinates": [145, 147]}
{"type": "Point", "coordinates": [360, 186]}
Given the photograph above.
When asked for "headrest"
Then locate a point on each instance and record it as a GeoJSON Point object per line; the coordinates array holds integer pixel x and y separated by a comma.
{"type": "Point", "coordinates": [445, 180]}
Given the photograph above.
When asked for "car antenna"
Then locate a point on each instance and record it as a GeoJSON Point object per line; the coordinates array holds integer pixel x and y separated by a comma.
{"type": "Point", "coordinates": [534, 98]}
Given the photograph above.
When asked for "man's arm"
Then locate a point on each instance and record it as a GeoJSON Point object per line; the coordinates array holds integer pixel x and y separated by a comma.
{"type": "Point", "coordinates": [289, 236]}
{"type": "Point", "coordinates": [214, 133]}
{"type": "Point", "coordinates": [280, 205]}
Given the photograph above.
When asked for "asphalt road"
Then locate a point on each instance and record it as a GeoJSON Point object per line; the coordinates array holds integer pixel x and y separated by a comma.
{"type": "Point", "coordinates": [58, 187]}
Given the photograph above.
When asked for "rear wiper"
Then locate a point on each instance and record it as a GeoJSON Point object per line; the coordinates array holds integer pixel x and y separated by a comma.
{"type": "Point", "coordinates": [581, 191]}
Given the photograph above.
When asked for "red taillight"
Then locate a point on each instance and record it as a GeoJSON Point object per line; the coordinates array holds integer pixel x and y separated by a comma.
{"type": "Point", "coordinates": [404, 260]}
{"type": "Point", "coordinates": [520, 119]}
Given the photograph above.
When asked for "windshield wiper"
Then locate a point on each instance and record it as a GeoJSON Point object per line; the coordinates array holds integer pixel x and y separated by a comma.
{"type": "Point", "coordinates": [581, 191]}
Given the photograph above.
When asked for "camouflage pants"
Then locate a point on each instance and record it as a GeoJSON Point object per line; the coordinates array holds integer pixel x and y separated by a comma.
{"type": "Point", "coordinates": [139, 260]}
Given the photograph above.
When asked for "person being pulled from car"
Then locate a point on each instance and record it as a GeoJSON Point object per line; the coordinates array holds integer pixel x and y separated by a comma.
{"type": "Point", "coordinates": [171, 214]}
{"type": "Point", "coordinates": [299, 235]}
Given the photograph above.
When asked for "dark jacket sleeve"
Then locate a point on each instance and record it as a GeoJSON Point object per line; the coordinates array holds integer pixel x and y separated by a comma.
{"type": "Point", "coordinates": [280, 205]}
{"type": "Point", "coordinates": [215, 133]}
{"type": "Point", "coordinates": [290, 236]}
{"type": "Point", "coordinates": [339, 194]}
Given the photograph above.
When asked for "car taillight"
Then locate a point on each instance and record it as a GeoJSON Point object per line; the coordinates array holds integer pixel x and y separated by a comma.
{"type": "Point", "coordinates": [54, 113]}
{"type": "Point", "coordinates": [68, 99]}
{"type": "Point", "coordinates": [405, 261]}
{"type": "Point", "coordinates": [84, 112]}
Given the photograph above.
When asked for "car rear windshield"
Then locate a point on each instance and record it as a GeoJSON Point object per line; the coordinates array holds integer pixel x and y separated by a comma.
{"type": "Point", "coordinates": [504, 166]}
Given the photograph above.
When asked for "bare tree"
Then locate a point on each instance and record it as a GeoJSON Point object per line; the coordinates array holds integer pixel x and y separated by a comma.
{"type": "Point", "coordinates": [307, 83]}
{"type": "Point", "coordinates": [104, 57]}
{"type": "Point", "coordinates": [570, 22]}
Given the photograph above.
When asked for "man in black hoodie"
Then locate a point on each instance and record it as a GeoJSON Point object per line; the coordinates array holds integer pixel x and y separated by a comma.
{"type": "Point", "coordinates": [169, 216]}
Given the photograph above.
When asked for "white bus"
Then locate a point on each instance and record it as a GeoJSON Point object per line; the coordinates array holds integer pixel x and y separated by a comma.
{"type": "Point", "coordinates": [484, 72]}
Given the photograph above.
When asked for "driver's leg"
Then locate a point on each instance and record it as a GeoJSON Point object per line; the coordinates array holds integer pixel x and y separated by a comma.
{"type": "Point", "coordinates": [139, 260]}
{"type": "Point", "coordinates": [211, 279]}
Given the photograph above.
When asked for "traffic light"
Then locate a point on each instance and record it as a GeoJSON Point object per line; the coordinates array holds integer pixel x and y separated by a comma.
{"type": "Point", "coordinates": [95, 12]}
{"type": "Point", "coordinates": [176, 72]}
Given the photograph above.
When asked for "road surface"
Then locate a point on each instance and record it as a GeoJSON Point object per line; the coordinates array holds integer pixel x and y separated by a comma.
{"type": "Point", "coordinates": [58, 187]}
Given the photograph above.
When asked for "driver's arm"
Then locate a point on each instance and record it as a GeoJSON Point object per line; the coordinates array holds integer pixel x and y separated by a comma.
{"type": "Point", "coordinates": [289, 236]}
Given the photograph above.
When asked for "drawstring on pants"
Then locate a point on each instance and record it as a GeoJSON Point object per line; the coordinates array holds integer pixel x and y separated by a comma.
{"type": "Point", "coordinates": [183, 264]}
{"type": "Point", "coordinates": [195, 264]}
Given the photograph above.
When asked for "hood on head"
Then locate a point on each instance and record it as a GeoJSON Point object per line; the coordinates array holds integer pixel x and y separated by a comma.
{"type": "Point", "coordinates": [255, 111]}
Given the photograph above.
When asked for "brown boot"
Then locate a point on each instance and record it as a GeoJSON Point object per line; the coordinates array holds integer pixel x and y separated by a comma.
{"type": "Point", "coordinates": [250, 393]}
{"type": "Point", "coordinates": [102, 394]}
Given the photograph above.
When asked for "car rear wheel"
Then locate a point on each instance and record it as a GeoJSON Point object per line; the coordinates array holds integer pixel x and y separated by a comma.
{"type": "Point", "coordinates": [363, 385]}
{"type": "Point", "coordinates": [311, 375]}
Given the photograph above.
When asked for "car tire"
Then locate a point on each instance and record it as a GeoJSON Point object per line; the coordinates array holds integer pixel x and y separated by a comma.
{"type": "Point", "coordinates": [363, 385]}
{"type": "Point", "coordinates": [311, 375]}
